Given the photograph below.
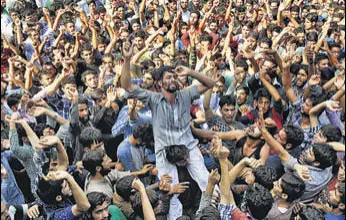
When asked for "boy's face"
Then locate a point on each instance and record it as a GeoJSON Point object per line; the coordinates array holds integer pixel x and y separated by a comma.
{"type": "Point", "coordinates": [101, 212]}
{"type": "Point", "coordinates": [263, 105]}
{"type": "Point", "coordinates": [87, 56]}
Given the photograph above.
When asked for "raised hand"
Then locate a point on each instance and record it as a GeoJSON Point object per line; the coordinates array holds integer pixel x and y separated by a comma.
{"type": "Point", "coordinates": [333, 106]}
{"type": "Point", "coordinates": [57, 175]}
{"type": "Point", "coordinates": [339, 81]}
{"type": "Point", "coordinates": [49, 141]}
{"type": "Point", "coordinates": [303, 172]}
{"type": "Point", "coordinates": [37, 111]}
{"type": "Point", "coordinates": [138, 185]}
{"type": "Point", "coordinates": [111, 94]}
{"type": "Point", "coordinates": [127, 50]}
{"type": "Point", "coordinates": [245, 109]}
{"type": "Point", "coordinates": [147, 168]}
{"type": "Point", "coordinates": [183, 71]}
{"type": "Point", "coordinates": [251, 162]}
{"type": "Point", "coordinates": [180, 188]}
{"type": "Point", "coordinates": [214, 177]}
{"type": "Point", "coordinates": [33, 212]}
{"type": "Point", "coordinates": [314, 80]}
{"type": "Point", "coordinates": [165, 183]}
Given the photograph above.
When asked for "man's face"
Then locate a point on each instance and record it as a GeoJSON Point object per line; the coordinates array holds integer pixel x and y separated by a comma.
{"type": "Point", "coordinates": [307, 106]}
{"type": "Point", "coordinates": [308, 24]}
{"type": "Point", "coordinates": [48, 132]}
{"type": "Point", "coordinates": [241, 97]}
{"type": "Point", "coordinates": [101, 47]}
{"type": "Point", "coordinates": [302, 78]}
{"type": "Point", "coordinates": [228, 112]}
{"type": "Point", "coordinates": [319, 138]}
{"type": "Point", "coordinates": [14, 15]}
{"type": "Point", "coordinates": [323, 64]}
{"type": "Point", "coordinates": [91, 81]}
{"type": "Point", "coordinates": [124, 35]}
{"type": "Point", "coordinates": [136, 27]}
{"type": "Point", "coordinates": [107, 62]}
{"type": "Point", "coordinates": [240, 74]}
{"type": "Point", "coordinates": [213, 27]}
{"type": "Point", "coordinates": [139, 42]}
{"type": "Point", "coordinates": [184, 4]}
{"type": "Point", "coordinates": [196, 2]}
{"type": "Point", "coordinates": [277, 190]}
{"type": "Point", "coordinates": [281, 137]}
{"type": "Point", "coordinates": [158, 62]}
{"type": "Point", "coordinates": [3, 4]}
{"type": "Point", "coordinates": [173, 6]}
{"type": "Point", "coordinates": [148, 81]}
{"type": "Point", "coordinates": [295, 14]}
{"type": "Point", "coordinates": [239, 3]}
{"type": "Point", "coordinates": [251, 43]}
{"type": "Point", "coordinates": [193, 19]}
{"type": "Point", "coordinates": [70, 28]}
{"type": "Point", "coordinates": [170, 82]}
{"type": "Point", "coordinates": [101, 212]}
{"type": "Point", "coordinates": [335, 52]}
{"type": "Point", "coordinates": [35, 36]}
{"type": "Point", "coordinates": [335, 198]}
{"type": "Point", "coordinates": [341, 173]}
{"type": "Point", "coordinates": [83, 112]}
{"type": "Point", "coordinates": [301, 38]}
{"type": "Point", "coordinates": [87, 56]}
{"type": "Point", "coordinates": [263, 105]}
{"type": "Point", "coordinates": [253, 132]}
{"type": "Point", "coordinates": [245, 32]}
{"type": "Point", "coordinates": [68, 90]}
{"type": "Point", "coordinates": [241, 16]}
{"type": "Point", "coordinates": [47, 79]}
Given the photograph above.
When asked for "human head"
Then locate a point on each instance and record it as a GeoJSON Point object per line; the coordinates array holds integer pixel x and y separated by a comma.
{"type": "Point", "coordinates": [263, 99]}
{"type": "Point", "coordinates": [53, 192]}
{"type": "Point", "coordinates": [89, 78]}
{"type": "Point", "coordinates": [209, 213]}
{"type": "Point", "coordinates": [309, 212]}
{"type": "Point", "coordinates": [138, 39]}
{"type": "Point", "coordinates": [91, 139]}
{"type": "Point", "coordinates": [227, 106]}
{"type": "Point", "coordinates": [328, 133]}
{"type": "Point", "coordinates": [83, 108]}
{"type": "Point", "coordinates": [241, 71]}
{"type": "Point", "coordinates": [290, 137]}
{"type": "Point", "coordinates": [178, 155]}
{"type": "Point", "coordinates": [168, 79]}
{"type": "Point", "coordinates": [259, 201]}
{"type": "Point", "coordinates": [96, 162]}
{"type": "Point", "coordinates": [99, 203]}
{"type": "Point", "coordinates": [87, 53]}
{"type": "Point", "coordinates": [337, 197]}
{"type": "Point", "coordinates": [335, 49]}
{"type": "Point", "coordinates": [68, 86]}
{"type": "Point", "coordinates": [124, 187]}
{"type": "Point", "coordinates": [265, 176]}
{"type": "Point", "coordinates": [143, 134]}
{"type": "Point", "coordinates": [289, 187]}
{"type": "Point", "coordinates": [302, 76]}
{"type": "Point", "coordinates": [321, 156]}
{"type": "Point", "coordinates": [322, 61]}
{"type": "Point", "coordinates": [251, 40]}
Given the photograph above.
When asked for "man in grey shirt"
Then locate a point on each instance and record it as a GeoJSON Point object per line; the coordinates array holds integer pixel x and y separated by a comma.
{"type": "Point", "coordinates": [171, 120]}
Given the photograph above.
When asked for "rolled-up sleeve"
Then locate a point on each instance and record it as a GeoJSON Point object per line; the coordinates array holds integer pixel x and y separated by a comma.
{"type": "Point", "coordinates": [141, 94]}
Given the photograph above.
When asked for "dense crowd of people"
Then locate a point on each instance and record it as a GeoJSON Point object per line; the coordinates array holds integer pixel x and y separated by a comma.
{"type": "Point", "coordinates": [177, 110]}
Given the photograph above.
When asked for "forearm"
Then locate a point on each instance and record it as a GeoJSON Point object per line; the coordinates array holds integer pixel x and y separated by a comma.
{"type": "Point", "coordinates": [34, 140]}
{"type": "Point", "coordinates": [339, 94]}
{"type": "Point", "coordinates": [111, 45]}
{"type": "Point", "coordinates": [56, 22]}
{"type": "Point", "coordinates": [338, 147]}
{"type": "Point", "coordinates": [76, 49]}
{"type": "Point", "coordinates": [125, 76]}
{"type": "Point", "coordinates": [56, 42]}
{"type": "Point", "coordinates": [56, 117]}
{"type": "Point", "coordinates": [133, 115]}
{"type": "Point", "coordinates": [205, 80]}
{"type": "Point", "coordinates": [94, 41]}
{"type": "Point", "coordinates": [272, 90]}
{"type": "Point", "coordinates": [28, 79]}
{"type": "Point", "coordinates": [19, 36]}
{"type": "Point", "coordinates": [275, 146]}
{"type": "Point", "coordinates": [62, 157]}
{"type": "Point", "coordinates": [146, 205]}
{"type": "Point", "coordinates": [78, 194]}
{"type": "Point", "coordinates": [235, 172]}
{"type": "Point", "coordinates": [51, 89]}
{"type": "Point", "coordinates": [225, 184]}
{"type": "Point", "coordinates": [138, 55]}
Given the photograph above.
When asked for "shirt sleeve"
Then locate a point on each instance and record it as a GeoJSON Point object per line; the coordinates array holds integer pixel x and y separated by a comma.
{"type": "Point", "coordinates": [125, 157]}
{"type": "Point", "coordinates": [115, 175]}
{"type": "Point", "coordinates": [65, 214]}
{"type": "Point", "coordinates": [290, 163]}
{"type": "Point", "coordinates": [191, 94]}
{"type": "Point", "coordinates": [142, 94]}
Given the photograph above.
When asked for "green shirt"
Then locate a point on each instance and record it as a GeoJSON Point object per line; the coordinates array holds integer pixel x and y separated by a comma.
{"type": "Point", "coordinates": [115, 213]}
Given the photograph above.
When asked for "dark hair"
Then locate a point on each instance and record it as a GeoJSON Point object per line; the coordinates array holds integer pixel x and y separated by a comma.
{"type": "Point", "coordinates": [13, 100]}
{"type": "Point", "coordinates": [325, 155]}
{"type": "Point", "coordinates": [82, 99]}
{"type": "Point", "coordinates": [184, 217]}
{"type": "Point", "coordinates": [89, 135]}
{"type": "Point", "coordinates": [320, 57]}
{"type": "Point", "coordinates": [145, 133]}
{"type": "Point", "coordinates": [68, 80]}
{"type": "Point", "coordinates": [156, 54]}
{"type": "Point", "coordinates": [265, 176]}
{"type": "Point", "coordinates": [47, 191]}
{"type": "Point", "coordinates": [242, 63]}
{"type": "Point", "coordinates": [206, 37]}
{"type": "Point", "coordinates": [312, 36]}
{"type": "Point", "coordinates": [332, 133]}
{"type": "Point", "coordinates": [124, 187]}
{"type": "Point", "coordinates": [86, 73]}
{"type": "Point", "coordinates": [262, 93]}
{"type": "Point", "coordinates": [177, 154]}
{"type": "Point", "coordinates": [265, 40]}
{"type": "Point", "coordinates": [227, 100]}
{"type": "Point", "coordinates": [294, 135]}
{"type": "Point", "coordinates": [163, 70]}
{"type": "Point", "coordinates": [96, 199]}
{"type": "Point", "coordinates": [259, 200]}
{"type": "Point", "coordinates": [136, 201]}
{"type": "Point", "coordinates": [293, 186]}
{"type": "Point", "coordinates": [209, 213]}
{"type": "Point", "coordinates": [245, 88]}
{"type": "Point", "coordinates": [295, 8]}
{"type": "Point", "coordinates": [310, 212]}
{"type": "Point", "coordinates": [299, 30]}
{"type": "Point", "coordinates": [277, 29]}
{"type": "Point", "coordinates": [91, 160]}
{"type": "Point", "coordinates": [86, 47]}
{"type": "Point", "coordinates": [139, 33]}
{"type": "Point", "coordinates": [241, 9]}
{"type": "Point", "coordinates": [254, 35]}
{"type": "Point", "coordinates": [312, 17]}
{"type": "Point", "coordinates": [333, 44]}
{"type": "Point", "coordinates": [304, 67]}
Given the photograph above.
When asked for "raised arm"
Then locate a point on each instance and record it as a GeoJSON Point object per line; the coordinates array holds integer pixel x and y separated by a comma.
{"type": "Point", "coordinates": [287, 82]}
{"type": "Point", "coordinates": [125, 73]}
{"type": "Point", "coordinates": [50, 141]}
{"type": "Point", "coordinates": [148, 211]}
{"type": "Point", "coordinates": [206, 104]}
{"type": "Point", "coordinates": [272, 90]}
{"type": "Point", "coordinates": [206, 82]}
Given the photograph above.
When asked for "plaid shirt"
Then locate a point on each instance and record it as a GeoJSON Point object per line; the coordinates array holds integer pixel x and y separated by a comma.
{"type": "Point", "coordinates": [225, 211]}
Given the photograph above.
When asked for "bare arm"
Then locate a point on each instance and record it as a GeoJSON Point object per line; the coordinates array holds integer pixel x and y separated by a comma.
{"type": "Point", "coordinates": [206, 82]}
{"type": "Point", "coordinates": [146, 205]}
{"type": "Point", "coordinates": [287, 82]}
{"type": "Point", "coordinates": [125, 73]}
{"type": "Point", "coordinates": [206, 104]}
{"type": "Point", "coordinates": [272, 90]}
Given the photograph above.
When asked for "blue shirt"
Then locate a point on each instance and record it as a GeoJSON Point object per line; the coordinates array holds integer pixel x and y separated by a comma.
{"type": "Point", "coordinates": [330, 216]}
{"type": "Point", "coordinates": [131, 157]}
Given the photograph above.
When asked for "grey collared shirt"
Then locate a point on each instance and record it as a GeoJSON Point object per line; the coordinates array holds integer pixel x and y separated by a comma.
{"type": "Point", "coordinates": [171, 124]}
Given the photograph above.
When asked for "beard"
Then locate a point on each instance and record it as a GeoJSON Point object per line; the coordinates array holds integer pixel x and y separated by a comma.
{"type": "Point", "coordinates": [171, 88]}
{"type": "Point", "coordinates": [84, 119]}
